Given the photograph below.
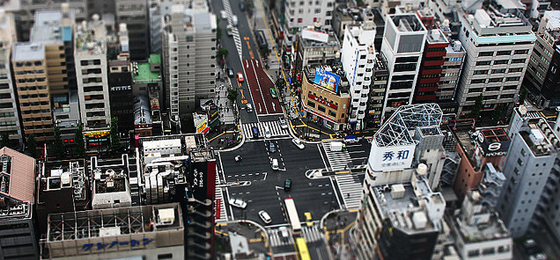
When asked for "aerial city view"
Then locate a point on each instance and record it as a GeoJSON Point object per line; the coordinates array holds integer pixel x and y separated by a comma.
{"type": "Point", "coordinates": [279, 129]}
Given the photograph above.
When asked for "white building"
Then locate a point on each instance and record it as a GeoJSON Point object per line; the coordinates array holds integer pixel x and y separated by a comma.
{"type": "Point", "coordinates": [478, 231]}
{"type": "Point", "coordinates": [189, 49]}
{"type": "Point", "coordinates": [498, 41]}
{"type": "Point", "coordinates": [403, 46]}
{"type": "Point", "coordinates": [90, 54]}
{"type": "Point", "coordinates": [300, 14]}
{"type": "Point", "coordinates": [530, 158]}
{"type": "Point", "coordinates": [358, 60]}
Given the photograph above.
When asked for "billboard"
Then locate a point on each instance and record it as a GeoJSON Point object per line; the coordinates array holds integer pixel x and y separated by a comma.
{"type": "Point", "coordinates": [493, 142]}
{"type": "Point", "coordinates": [326, 79]}
{"type": "Point", "coordinates": [315, 35]}
{"type": "Point", "coordinates": [390, 158]}
{"type": "Point", "coordinates": [203, 179]}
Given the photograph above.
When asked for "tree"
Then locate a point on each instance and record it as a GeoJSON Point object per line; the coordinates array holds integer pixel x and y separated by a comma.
{"type": "Point", "coordinates": [114, 133]}
{"type": "Point", "coordinates": [280, 84]}
{"type": "Point", "coordinates": [264, 52]}
{"type": "Point", "coordinates": [523, 96]}
{"type": "Point", "coordinates": [80, 143]}
{"type": "Point", "coordinates": [31, 146]}
{"type": "Point", "coordinates": [499, 113]}
{"type": "Point", "coordinates": [475, 112]}
{"type": "Point", "coordinates": [222, 53]}
{"type": "Point", "coordinates": [5, 140]}
{"type": "Point", "coordinates": [58, 146]}
{"type": "Point", "coordinates": [218, 29]}
{"type": "Point", "coordinates": [232, 95]}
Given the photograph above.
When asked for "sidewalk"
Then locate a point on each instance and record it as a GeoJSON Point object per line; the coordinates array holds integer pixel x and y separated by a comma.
{"type": "Point", "coordinates": [255, 235]}
{"type": "Point", "coordinates": [337, 226]}
{"type": "Point", "coordinates": [227, 134]}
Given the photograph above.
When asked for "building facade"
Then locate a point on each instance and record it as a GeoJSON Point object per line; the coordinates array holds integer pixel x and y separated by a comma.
{"type": "Point", "coordinates": [498, 42]}
{"type": "Point", "coordinates": [300, 14]}
{"type": "Point", "coordinates": [135, 14]}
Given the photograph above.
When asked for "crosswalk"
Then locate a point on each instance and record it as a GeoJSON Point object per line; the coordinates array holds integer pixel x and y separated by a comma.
{"type": "Point", "coordinates": [276, 240]}
{"type": "Point", "coordinates": [222, 205]}
{"type": "Point", "coordinates": [337, 160]}
{"type": "Point", "coordinates": [235, 32]}
{"type": "Point", "coordinates": [350, 188]}
{"type": "Point", "coordinates": [311, 234]}
{"type": "Point", "coordinates": [274, 127]}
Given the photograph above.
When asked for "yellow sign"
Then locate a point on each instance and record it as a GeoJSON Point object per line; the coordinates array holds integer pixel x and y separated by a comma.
{"type": "Point", "coordinates": [97, 133]}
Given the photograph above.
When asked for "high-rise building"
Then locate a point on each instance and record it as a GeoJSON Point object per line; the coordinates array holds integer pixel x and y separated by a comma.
{"type": "Point", "coordinates": [358, 60]}
{"type": "Point", "coordinates": [17, 230]}
{"type": "Point", "coordinates": [91, 70]}
{"type": "Point", "coordinates": [9, 115]}
{"type": "Point", "coordinates": [403, 46]}
{"type": "Point", "coordinates": [498, 41]}
{"type": "Point", "coordinates": [542, 79]}
{"type": "Point", "coordinates": [30, 73]}
{"type": "Point", "coordinates": [157, 10]}
{"type": "Point", "coordinates": [135, 14]}
{"type": "Point", "coordinates": [300, 14]}
{"type": "Point", "coordinates": [527, 167]}
{"type": "Point", "coordinates": [120, 93]}
{"type": "Point", "coordinates": [189, 49]}
{"type": "Point", "coordinates": [549, 201]}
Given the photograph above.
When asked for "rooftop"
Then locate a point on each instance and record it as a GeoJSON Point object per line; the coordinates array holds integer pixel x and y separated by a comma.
{"type": "Point", "coordinates": [90, 37]}
{"type": "Point", "coordinates": [17, 175]}
{"type": "Point", "coordinates": [407, 22]}
{"type": "Point", "coordinates": [436, 36]}
{"type": "Point", "coordinates": [145, 74]}
{"type": "Point", "coordinates": [27, 51]}
{"type": "Point", "coordinates": [154, 58]}
{"type": "Point", "coordinates": [47, 27]}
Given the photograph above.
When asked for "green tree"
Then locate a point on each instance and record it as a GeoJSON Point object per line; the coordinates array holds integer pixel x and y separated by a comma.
{"type": "Point", "coordinates": [232, 95]}
{"type": "Point", "coordinates": [80, 142]}
{"type": "Point", "coordinates": [31, 146]}
{"type": "Point", "coordinates": [280, 84]}
{"type": "Point", "coordinates": [222, 53]}
{"type": "Point", "coordinates": [114, 133]}
{"type": "Point", "coordinates": [58, 146]}
{"type": "Point", "coordinates": [498, 113]}
{"type": "Point", "coordinates": [249, 5]}
{"type": "Point", "coordinates": [523, 96]}
{"type": "Point", "coordinates": [264, 52]}
{"type": "Point", "coordinates": [218, 29]}
{"type": "Point", "coordinates": [475, 112]}
{"type": "Point", "coordinates": [5, 141]}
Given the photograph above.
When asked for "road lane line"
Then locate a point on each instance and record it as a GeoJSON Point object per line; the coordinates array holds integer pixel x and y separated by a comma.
{"type": "Point", "coordinates": [246, 62]}
{"type": "Point", "coordinates": [335, 193]}
{"type": "Point", "coordinates": [222, 167]}
{"type": "Point", "coordinates": [259, 86]}
{"type": "Point", "coordinates": [322, 158]}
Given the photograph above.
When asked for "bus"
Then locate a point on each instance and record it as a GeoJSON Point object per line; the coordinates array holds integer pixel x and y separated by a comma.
{"type": "Point", "coordinates": [291, 212]}
{"type": "Point", "coordinates": [301, 248]}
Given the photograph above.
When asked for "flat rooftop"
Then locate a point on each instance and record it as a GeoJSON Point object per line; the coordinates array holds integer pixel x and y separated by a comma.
{"type": "Point", "coordinates": [407, 23]}
{"type": "Point", "coordinates": [28, 51]}
{"type": "Point", "coordinates": [493, 229]}
{"type": "Point", "coordinates": [47, 27]}
{"type": "Point", "coordinates": [145, 74]}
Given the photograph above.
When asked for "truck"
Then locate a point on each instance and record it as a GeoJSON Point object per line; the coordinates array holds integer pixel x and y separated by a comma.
{"type": "Point", "coordinates": [234, 20]}
{"type": "Point", "coordinates": [336, 146]}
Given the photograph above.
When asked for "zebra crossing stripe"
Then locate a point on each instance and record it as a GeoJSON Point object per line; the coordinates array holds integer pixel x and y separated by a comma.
{"type": "Point", "coordinates": [223, 215]}
{"type": "Point", "coordinates": [350, 185]}
{"type": "Point", "coordinates": [337, 160]}
{"type": "Point", "coordinates": [273, 126]}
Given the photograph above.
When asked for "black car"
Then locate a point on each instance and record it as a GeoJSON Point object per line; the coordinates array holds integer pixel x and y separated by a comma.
{"type": "Point", "coordinates": [288, 184]}
{"type": "Point", "coordinates": [230, 72]}
{"type": "Point", "coordinates": [241, 6]}
{"type": "Point", "coordinates": [255, 132]}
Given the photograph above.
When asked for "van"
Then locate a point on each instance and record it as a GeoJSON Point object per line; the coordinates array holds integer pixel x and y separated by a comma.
{"type": "Point", "coordinates": [275, 164]}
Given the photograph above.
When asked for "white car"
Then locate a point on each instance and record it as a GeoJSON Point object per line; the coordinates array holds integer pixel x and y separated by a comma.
{"type": "Point", "coordinates": [284, 232]}
{"type": "Point", "coordinates": [267, 133]}
{"type": "Point", "coordinates": [265, 217]}
{"type": "Point", "coordinates": [238, 203]}
{"type": "Point", "coordinates": [283, 123]}
{"type": "Point", "coordinates": [298, 143]}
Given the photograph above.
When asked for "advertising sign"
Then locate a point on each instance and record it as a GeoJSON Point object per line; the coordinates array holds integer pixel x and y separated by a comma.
{"type": "Point", "coordinates": [492, 145]}
{"type": "Point", "coordinates": [315, 35]}
{"type": "Point", "coordinates": [326, 79]}
{"type": "Point", "coordinates": [317, 99]}
{"type": "Point", "coordinates": [390, 158]}
{"type": "Point", "coordinates": [198, 179]}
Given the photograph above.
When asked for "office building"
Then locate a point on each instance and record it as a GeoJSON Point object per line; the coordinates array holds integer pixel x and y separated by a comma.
{"type": "Point", "coordinates": [9, 115]}
{"type": "Point", "coordinates": [120, 93]}
{"type": "Point", "coordinates": [148, 232]}
{"type": "Point", "coordinates": [358, 61]}
{"type": "Point", "coordinates": [498, 41]}
{"type": "Point", "coordinates": [134, 14]}
{"type": "Point", "coordinates": [344, 16]}
{"type": "Point", "coordinates": [478, 231]}
{"type": "Point", "coordinates": [541, 78]}
{"type": "Point", "coordinates": [300, 14]}
{"type": "Point", "coordinates": [147, 81]}
{"type": "Point", "coordinates": [549, 206]}
{"type": "Point", "coordinates": [313, 48]}
{"type": "Point", "coordinates": [93, 86]}
{"type": "Point", "coordinates": [30, 74]}
{"type": "Point", "coordinates": [17, 231]}
{"type": "Point", "coordinates": [403, 46]}
{"type": "Point", "coordinates": [531, 156]}
{"type": "Point", "coordinates": [189, 49]}
{"type": "Point", "coordinates": [325, 96]}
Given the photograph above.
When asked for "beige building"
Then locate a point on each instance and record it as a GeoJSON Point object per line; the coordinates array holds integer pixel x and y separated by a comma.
{"type": "Point", "coordinates": [322, 105]}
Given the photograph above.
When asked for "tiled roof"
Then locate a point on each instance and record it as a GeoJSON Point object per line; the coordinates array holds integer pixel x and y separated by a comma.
{"type": "Point", "coordinates": [22, 175]}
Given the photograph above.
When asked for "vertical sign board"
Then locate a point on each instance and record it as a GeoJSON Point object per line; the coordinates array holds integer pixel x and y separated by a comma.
{"type": "Point", "coordinates": [203, 179]}
{"type": "Point", "coordinates": [390, 158]}
{"type": "Point", "coordinates": [211, 179]}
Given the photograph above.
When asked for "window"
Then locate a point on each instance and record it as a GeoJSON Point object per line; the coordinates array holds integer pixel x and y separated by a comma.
{"type": "Point", "coordinates": [480, 72]}
{"type": "Point", "coordinates": [332, 113]}
{"type": "Point", "coordinates": [476, 81]}
{"type": "Point", "coordinates": [525, 51]}
{"type": "Point", "coordinates": [500, 53]}
{"type": "Point", "coordinates": [498, 71]}
{"type": "Point", "coordinates": [486, 53]}
{"type": "Point", "coordinates": [512, 70]}
{"type": "Point", "coordinates": [321, 108]}
{"type": "Point", "coordinates": [518, 61]}
{"type": "Point", "coordinates": [499, 62]}
{"type": "Point", "coordinates": [483, 63]}
{"type": "Point", "coordinates": [512, 78]}
{"type": "Point", "coordinates": [520, 162]}
{"type": "Point", "coordinates": [311, 104]}
{"type": "Point", "coordinates": [495, 80]}
{"type": "Point", "coordinates": [165, 256]}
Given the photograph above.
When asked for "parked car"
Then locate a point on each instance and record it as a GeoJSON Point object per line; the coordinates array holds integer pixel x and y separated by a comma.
{"type": "Point", "coordinates": [265, 217]}
{"type": "Point", "coordinates": [308, 219]}
{"type": "Point", "coordinates": [230, 72]}
{"type": "Point", "coordinates": [238, 203]}
{"type": "Point", "coordinates": [283, 123]}
{"type": "Point", "coordinates": [288, 184]}
{"type": "Point", "coordinates": [240, 77]}
{"type": "Point", "coordinates": [298, 143]}
{"type": "Point", "coordinates": [238, 158]}
{"type": "Point", "coordinates": [272, 147]}
{"type": "Point", "coordinates": [275, 166]}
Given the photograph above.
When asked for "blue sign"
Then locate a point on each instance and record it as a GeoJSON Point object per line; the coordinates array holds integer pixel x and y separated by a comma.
{"type": "Point", "coordinates": [391, 158]}
{"type": "Point", "coordinates": [101, 246]}
{"type": "Point", "coordinates": [326, 79]}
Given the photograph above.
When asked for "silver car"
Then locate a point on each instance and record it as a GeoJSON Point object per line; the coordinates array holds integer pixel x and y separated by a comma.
{"type": "Point", "coordinates": [265, 217]}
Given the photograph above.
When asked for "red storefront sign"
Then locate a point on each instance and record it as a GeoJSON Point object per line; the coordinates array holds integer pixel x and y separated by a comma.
{"type": "Point", "coordinates": [316, 99]}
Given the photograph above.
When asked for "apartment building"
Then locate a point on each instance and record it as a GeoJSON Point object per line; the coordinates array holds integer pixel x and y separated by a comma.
{"type": "Point", "coordinates": [189, 49]}
{"type": "Point", "coordinates": [542, 80]}
{"type": "Point", "coordinates": [358, 60]}
{"type": "Point", "coordinates": [30, 75]}
{"type": "Point", "coordinates": [300, 14]}
{"type": "Point", "coordinates": [498, 40]}
{"type": "Point", "coordinates": [403, 46]}
{"type": "Point", "coordinates": [315, 47]}
{"type": "Point", "coordinates": [531, 156]}
{"type": "Point", "coordinates": [91, 70]}
{"type": "Point", "coordinates": [9, 115]}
